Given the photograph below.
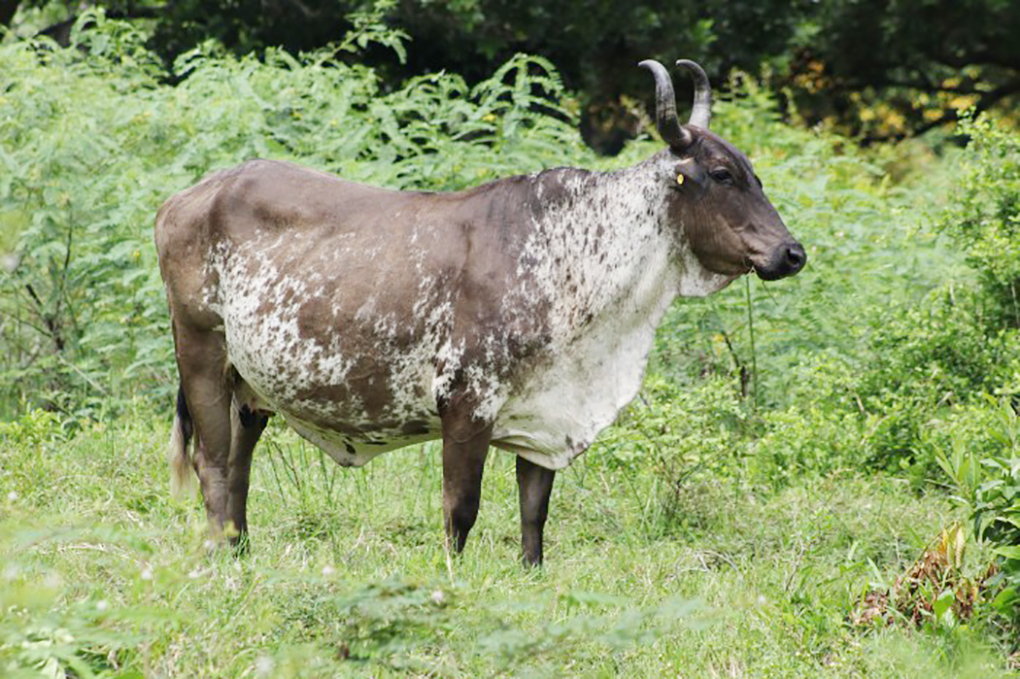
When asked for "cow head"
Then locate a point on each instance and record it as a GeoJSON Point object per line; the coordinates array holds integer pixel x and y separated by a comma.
{"type": "Point", "coordinates": [729, 223]}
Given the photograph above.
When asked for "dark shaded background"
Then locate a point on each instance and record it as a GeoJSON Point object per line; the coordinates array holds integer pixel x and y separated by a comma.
{"type": "Point", "coordinates": [875, 69]}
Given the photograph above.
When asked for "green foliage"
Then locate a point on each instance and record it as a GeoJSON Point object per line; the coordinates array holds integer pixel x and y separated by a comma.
{"type": "Point", "coordinates": [50, 629]}
{"type": "Point", "coordinates": [888, 68]}
{"type": "Point", "coordinates": [75, 282]}
{"type": "Point", "coordinates": [33, 428]}
{"type": "Point", "coordinates": [807, 440]}
{"type": "Point", "coordinates": [94, 143]}
{"type": "Point", "coordinates": [367, 27]}
{"type": "Point", "coordinates": [996, 509]}
{"type": "Point", "coordinates": [985, 216]}
{"type": "Point", "coordinates": [985, 355]}
{"type": "Point", "coordinates": [681, 435]}
{"type": "Point", "coordinates": [849, 361]}
{"type": "Point", "coordinates": [919, 66]}
{"type": "Point", "coordinates": [924, 362]}
{"type": "Point", "coordinates": [386, 621]}
{"type": "Point", "coordinates": [626, 626]}
{"type": "Point", "coordinates": [674, 427]}
{"type": "Point", "coordinates": [988, 483]}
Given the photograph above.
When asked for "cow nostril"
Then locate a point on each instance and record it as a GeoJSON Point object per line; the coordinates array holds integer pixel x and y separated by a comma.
{"type": "Point", "coordinates": [795, 256]}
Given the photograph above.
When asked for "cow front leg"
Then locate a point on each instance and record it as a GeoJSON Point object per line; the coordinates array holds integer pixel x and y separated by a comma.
{"type": "Point", "coordinates": [534, 486]}
{"type": "Point", "coordinates": [465, 446]}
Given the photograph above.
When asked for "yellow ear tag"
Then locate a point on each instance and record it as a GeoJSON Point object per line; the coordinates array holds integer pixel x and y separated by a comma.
{"type": "Point", "coordinates": [680, 179]}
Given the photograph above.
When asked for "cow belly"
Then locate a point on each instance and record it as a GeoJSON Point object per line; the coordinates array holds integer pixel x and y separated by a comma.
{"type": "Point", "coordinates": [355, 406]}
{"type": "Point", "coordinates": [351, 407]}
{"type": "Point", "coordinates": [338, 417]}
{"type": "Point", "coordinates": [353, 451]}
{"type": "Point", "coordinates": [343, 430]}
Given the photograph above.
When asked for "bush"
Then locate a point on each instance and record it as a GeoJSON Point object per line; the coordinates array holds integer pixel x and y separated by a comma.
{"type": "Point", "coordinates": [984, 217]}
{"type": "Point", "coordinates": [997, 517]}
{"type": "Point", "coordinates": [680, 435]}
{"type": "Point", "coordinates": [93, 142]}
{"type": "Point", "coordinates": [922, 362]}
{"type": "Point", "coordinates": [807, 440]}
{"type": "Point", "coordinates": [988, 484]}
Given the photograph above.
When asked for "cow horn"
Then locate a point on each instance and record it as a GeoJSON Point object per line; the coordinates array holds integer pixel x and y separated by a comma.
{"type": "Point", "coordinates": [669, 125]}
{"type": "Point", "coordinates": [701, 114]}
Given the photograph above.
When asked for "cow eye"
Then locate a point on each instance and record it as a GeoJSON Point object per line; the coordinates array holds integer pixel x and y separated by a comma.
{"type": "Point", "coordinates": [722, 175]}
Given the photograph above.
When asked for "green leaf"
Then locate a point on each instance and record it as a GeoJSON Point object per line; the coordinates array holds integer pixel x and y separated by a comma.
{"type": "Point", "coordinates": [1008, 551]}
{"type": "Point", "coordinates": [1006, 601]}
{"type": "Point", "coordinates": [942, 606]}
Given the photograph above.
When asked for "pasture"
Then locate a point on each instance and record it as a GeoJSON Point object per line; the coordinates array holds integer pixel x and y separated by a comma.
{"type": "Point", "coordinates": [819, 476]}
{"type": "Point", "coordinates": [347, 573]}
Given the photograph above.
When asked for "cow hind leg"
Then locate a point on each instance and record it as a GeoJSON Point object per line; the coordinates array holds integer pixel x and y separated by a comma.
{"type": "Point", "coordinates": [465, 446]}
{"type": "Point", "coordinates": [207, 387]}
{"type": "Point", "coordinates": [534, 485]}
{"type": "Point", "coordinates": [246, 428]}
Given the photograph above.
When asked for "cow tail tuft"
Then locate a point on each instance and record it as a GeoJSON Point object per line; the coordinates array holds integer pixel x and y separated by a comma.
{"type": "Point", "coordinates": [182, 477]}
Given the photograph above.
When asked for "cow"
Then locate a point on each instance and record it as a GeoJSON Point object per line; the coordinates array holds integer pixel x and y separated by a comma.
{"type": "Point", "coordinates": [518, 314]}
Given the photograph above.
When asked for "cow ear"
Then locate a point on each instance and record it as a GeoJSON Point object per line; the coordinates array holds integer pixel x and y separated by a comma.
{"type": "Point", "coordinates": [690, 177]}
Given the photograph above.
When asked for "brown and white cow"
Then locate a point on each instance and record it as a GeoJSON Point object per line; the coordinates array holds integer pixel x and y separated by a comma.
{"type": "Point", "coordinates": [518, 314]}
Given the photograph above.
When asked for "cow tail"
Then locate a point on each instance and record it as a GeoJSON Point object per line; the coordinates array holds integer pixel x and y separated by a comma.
{"type": "Point", "coordinates": [182, 477]}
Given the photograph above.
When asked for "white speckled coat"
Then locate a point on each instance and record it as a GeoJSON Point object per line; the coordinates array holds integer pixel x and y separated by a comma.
{"type": "Point", "coordinates": [354, 314]}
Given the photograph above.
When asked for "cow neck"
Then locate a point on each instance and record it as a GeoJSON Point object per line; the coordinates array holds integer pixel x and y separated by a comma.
{"type": "Point", "coordinates": [622, 255]}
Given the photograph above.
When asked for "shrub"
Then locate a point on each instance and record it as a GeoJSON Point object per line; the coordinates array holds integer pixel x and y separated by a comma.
{"type": "Point", "coordinates": [988, 484]}
{"type": "Point", "coordinates": [984, 217]}
{"type": "Point", "coordinates": [922, 362]}
{"type": "Point", "coordinates": [678, 436]}
{"type": "Point", "coordinates": [92, 142]}
{"type": "Point", "coordinates": [996, 510]}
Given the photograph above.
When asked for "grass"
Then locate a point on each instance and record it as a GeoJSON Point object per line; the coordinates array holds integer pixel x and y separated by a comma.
{"type": "Point", "coordinates": [104, 573]}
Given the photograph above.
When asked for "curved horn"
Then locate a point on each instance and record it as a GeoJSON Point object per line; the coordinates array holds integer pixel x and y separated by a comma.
{"type": "Point", "coordinates": [665, 106]}
{"type": "Point", "coordinates": [701, 114]}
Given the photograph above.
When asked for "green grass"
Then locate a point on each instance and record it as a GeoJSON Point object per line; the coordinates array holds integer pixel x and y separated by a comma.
{"type": "Point", "coordinates": [105, 573]}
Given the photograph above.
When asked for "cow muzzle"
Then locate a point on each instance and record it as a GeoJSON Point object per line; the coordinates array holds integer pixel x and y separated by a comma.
{"type": "Point", "coordinates": [786, 260]}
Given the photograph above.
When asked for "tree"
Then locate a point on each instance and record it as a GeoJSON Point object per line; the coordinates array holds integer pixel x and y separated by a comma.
{"type": "Point", "coordinates": [889, 68]}
{"type": "Point", "coordinates": [880, 69]}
